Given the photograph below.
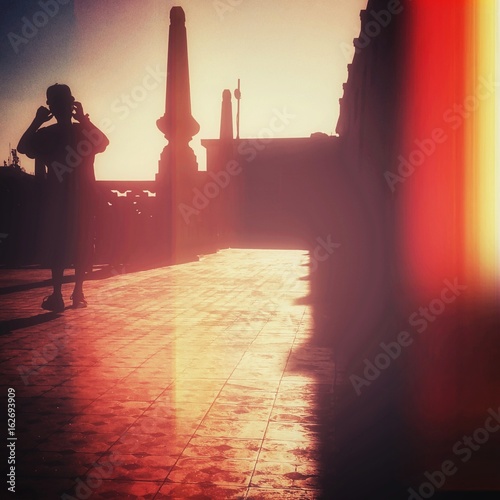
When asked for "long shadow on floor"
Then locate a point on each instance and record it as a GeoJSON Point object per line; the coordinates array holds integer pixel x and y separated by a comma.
{"type": "Point", "coordinates": [11, 325]}
{"type": "Point", "coordinates": [31, 276]}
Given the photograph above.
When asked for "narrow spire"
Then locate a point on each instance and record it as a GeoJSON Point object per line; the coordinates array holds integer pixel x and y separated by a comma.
{"type": "Point", "coordinates": [177, 124]}
{"type": "Point", "coordinates": [226, 118]}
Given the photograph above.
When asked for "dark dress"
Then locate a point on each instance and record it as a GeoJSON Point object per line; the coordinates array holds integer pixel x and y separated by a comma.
{"type": "Point", "coordinates": [66, 229]}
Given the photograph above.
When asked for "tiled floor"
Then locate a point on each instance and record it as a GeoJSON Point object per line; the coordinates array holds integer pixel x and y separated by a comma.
{"type": "Point", "coordinates": [193, 381]}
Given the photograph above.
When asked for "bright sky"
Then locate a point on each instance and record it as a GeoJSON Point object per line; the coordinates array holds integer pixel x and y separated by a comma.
{"type": "Point", "coordinates": [291, 56]}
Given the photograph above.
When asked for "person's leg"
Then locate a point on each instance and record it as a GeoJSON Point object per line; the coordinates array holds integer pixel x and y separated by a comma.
{"type": "Point", "coordinates": [78, 297]}
{"type": "Point", "coordinates": [57, 279]}
{"type": "Point", "coordinates": [55, 301]}
{"type": "Point", "coordinates": [79, 278]}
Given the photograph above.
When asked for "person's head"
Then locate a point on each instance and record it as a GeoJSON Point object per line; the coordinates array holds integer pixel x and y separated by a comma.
{"type": "Point", "coordinates": [60, 101]}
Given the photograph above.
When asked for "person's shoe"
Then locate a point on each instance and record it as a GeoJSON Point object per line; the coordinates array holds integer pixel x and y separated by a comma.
{"type": "Point", "coordinates": [79, 300]}
{"type": "Point", "coordinates": [53, 303]}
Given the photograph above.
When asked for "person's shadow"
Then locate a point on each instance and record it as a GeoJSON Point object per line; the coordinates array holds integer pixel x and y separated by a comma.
{"type": "Point", "coordinates": [11, 325]}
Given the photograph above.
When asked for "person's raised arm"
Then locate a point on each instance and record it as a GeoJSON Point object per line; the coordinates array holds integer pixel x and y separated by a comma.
{"type": "Point", "coordinates": [96, 136]}
{"type": "Point", "coordinates": [27, 144]}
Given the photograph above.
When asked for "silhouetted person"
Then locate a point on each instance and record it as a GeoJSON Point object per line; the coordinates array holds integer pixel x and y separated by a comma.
{"type": "Point", "coordinates": [67, 149]}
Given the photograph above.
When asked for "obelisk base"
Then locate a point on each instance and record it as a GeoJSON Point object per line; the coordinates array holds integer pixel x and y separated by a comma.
{"type": "Point", "coordinates": [176, 179]}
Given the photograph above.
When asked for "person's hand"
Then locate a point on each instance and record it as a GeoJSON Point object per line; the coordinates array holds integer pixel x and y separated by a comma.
{"type": "Point", "coordinates": [78, 113]}
{"type": "Point", "coordinates": [43, 115]}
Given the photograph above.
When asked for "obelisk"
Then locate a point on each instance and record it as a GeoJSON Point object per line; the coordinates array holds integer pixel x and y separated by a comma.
{"type": "Point", "coordinates": [177, 124]}
{"type": "Point", "coordinates": [224, 206]}
{"type": "Point", "coordinates": [177, 169]}
{"type": "Point", "coordinates": [226, 118]}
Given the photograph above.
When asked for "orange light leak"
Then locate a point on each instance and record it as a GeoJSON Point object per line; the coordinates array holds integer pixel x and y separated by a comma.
{"type": "Point", "coordinates": [450, 210]}
{"type": "Point", "coordinates": [482, 168]}
{"type": "Point", "coordinates": [450, 216]}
